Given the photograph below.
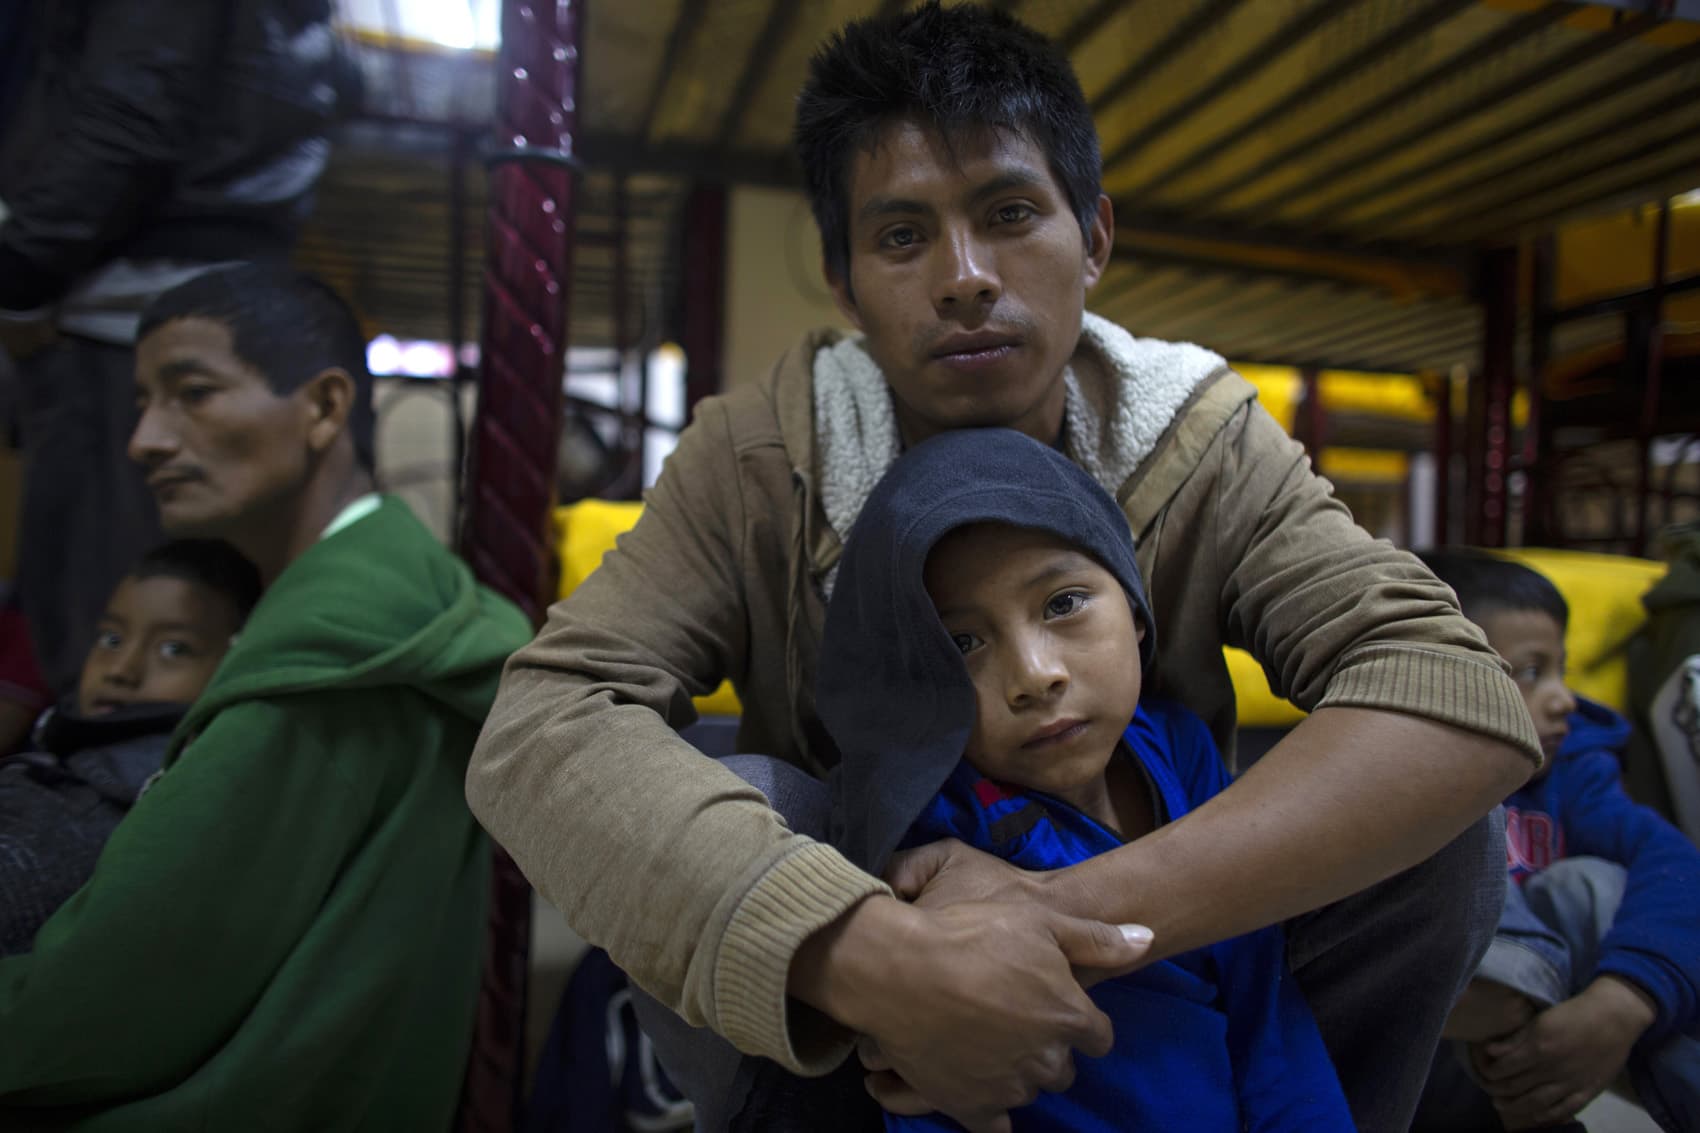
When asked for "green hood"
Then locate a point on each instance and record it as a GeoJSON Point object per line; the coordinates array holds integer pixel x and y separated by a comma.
{"type": "Point", "coordinates": [338, 617]}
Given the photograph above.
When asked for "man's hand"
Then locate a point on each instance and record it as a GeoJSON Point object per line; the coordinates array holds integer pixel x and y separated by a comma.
{"type": "Point", "coordinates": [1546, 1071]}
{"type": "Point", "coordinates": [950, 872]}
{"type": "Point", "coordinates": [1488, 1010]}
{"type": "Point", "coordinates": [974, 1008]}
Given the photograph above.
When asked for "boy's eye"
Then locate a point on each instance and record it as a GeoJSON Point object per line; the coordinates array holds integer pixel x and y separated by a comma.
{"type": "Point", "coordinates": [965, 642]}
{"type": "Point", "coordinates": [109, 639]}
{"type": "Point", "coordinates": [194, 394]}
{"type": "Point", "coordinates": [1062, 605]}
{"type": "Point", "coordinates": [171, 650]}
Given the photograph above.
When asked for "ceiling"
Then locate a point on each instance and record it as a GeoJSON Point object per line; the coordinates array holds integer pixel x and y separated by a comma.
{"type": "Point", "coordinates": [1296, 181]}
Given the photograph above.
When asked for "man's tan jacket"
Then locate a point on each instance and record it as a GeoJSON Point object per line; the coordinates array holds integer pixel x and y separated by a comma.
{"type": "Point", "coordinates": [683, 873]}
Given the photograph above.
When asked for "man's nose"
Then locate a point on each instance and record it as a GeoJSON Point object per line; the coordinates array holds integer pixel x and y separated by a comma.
{"type": "Point", "coordinates": [966, 278]}
{"type": "Point", "coordinates": [152, 442]}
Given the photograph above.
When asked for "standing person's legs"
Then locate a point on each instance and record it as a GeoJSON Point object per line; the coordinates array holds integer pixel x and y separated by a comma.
{"type": "Point", "coordinates": [1381, 969]}
{"type": "Point", "coordinates": [87, 514]}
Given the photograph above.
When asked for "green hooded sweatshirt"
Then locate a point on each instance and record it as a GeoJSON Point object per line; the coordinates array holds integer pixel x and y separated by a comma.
{"type": "Point", "coordinates": [284, 934]}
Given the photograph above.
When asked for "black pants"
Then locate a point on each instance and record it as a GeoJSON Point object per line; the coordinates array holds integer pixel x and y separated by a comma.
{"type": "Point", "coordinates": [87, 513]}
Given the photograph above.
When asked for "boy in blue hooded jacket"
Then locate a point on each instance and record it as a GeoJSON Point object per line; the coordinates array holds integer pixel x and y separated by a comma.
{"type": "Point", "coordinates": [1595, 967]}
{"type": "Point", "coordinates": [980, 674]}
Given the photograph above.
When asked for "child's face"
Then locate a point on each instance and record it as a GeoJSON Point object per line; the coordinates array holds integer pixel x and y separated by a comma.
{"type": "Point", "coordinates": [158, 643]}
{"type": "Point", "coordinates": [1533, 645]}
{"type": "Point", "coordinates": [1051, 645]}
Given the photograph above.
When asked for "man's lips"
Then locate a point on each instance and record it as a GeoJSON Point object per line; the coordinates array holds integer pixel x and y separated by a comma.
{"type": "Point", "coordinates": [975, 347]}
{"type": "Point", "coordinates": [160, 481]}
{"type": "Point", "coordinates": [1060, 732]}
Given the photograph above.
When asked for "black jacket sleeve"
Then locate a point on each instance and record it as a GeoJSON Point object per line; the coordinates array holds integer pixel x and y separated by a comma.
{"type": "Point", "coordinates": [124, 123]}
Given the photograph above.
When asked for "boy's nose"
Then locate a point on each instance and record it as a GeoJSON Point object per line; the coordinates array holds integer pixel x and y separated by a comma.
{"type": "Point", "coordinates": [1036, 673]}
{"type": "Point", "coordinates": [1561, 703]}
{"type": "Point", "coordinates": [125, 668]}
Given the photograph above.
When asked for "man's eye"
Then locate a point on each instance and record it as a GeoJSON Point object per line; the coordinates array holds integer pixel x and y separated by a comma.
{"type": "Point", "coordinates": [194, 394]}
{"type": "Point", "coordinates": [965, 642]}
{"type": "Point", "coordinates": [900, 238]}
{"type": "Point", "coordinates": [1013, 214]}
{"type": "Point", "coordinates": [1062, 605]}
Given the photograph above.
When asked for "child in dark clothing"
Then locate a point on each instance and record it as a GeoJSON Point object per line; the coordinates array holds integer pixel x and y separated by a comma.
{"type": "Point", "coordinates": [165, 630]}
{"type": "Point", "coordinates": [981, 672]}
{"type": "Point", "coordinates": [1595, 967]}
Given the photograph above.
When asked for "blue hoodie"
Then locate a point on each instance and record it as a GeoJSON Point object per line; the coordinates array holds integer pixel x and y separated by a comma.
{"type": "Point", "coordinates": [1578, 808]}
{"type": "Point", "coordinates": [1217, 1040]}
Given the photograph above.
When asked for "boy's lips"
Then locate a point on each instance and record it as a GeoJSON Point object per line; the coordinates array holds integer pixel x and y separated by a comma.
{"type": "Point", "coordinates": [1059, 732]}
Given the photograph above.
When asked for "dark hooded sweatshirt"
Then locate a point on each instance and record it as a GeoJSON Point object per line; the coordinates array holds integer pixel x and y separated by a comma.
{"type": "Point", "coordinates": [1219, 1039]}
{"type": "Point", "coordinates": [60, 802]}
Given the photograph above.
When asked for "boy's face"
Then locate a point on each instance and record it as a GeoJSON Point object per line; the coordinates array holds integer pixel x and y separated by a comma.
{"type": "Point", "coordinates": [219, 447]}
{"type": "Point", "coordinates": [158, 643]}
{"type": "Point", "coordinates": [968, 274]}
{"type": "Point", "coordinates": [1050, 642]}
{"type": "Point", "coordinates": [1533, 645]}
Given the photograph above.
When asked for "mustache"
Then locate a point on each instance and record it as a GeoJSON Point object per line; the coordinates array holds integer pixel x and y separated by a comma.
{"type": "Point", "coordinates": [1014, 324]}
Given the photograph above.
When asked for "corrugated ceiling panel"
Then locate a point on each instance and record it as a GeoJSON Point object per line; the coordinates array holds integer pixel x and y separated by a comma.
{"type": "Point", "coordinates": [623, 49]}
{"type": "Point", "coordinates": [701, 86]}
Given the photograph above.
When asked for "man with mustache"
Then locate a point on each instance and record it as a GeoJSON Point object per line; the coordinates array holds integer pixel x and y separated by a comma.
{"type": "Point", "coordinates": [285, 931]}
{"type": "Point", "coordinates": [954, 173]}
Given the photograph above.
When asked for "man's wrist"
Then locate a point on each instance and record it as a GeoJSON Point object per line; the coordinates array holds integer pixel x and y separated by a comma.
{"type": "Point", "coordinates": [1625, 1002]}
{"type": "Point", "coordinates": [836, 969]}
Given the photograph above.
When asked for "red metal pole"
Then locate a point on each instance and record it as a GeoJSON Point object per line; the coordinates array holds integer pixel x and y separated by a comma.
{"type": "Point", "coordinates": [1443, 462]}
{"type": "Point", "coordinates": [1538, 470]}
{"type": "Point", "coordinates": [1499, 332]}
{"type": "Point", "coordinates": [527, 275]}
{"type": "Point", "coordinates": [1315, 416]}
{"type": "Point", "coordinates": [704, 292]}
{"type": "Point", "coordinates": [527, 272]}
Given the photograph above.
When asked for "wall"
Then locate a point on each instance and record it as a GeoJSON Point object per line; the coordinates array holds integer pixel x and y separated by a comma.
{"type": "Point", "coordinates": [774, 287]}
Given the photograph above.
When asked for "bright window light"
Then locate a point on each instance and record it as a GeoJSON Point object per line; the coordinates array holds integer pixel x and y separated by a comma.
{"type": "Point", "coordinates": [456, 24]}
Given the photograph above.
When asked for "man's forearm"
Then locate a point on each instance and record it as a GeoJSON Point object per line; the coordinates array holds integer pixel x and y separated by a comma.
{"type": "Point", "coordinates": [1349, 798]}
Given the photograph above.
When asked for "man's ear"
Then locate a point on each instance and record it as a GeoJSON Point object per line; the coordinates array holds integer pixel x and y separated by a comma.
{"type": "Point", "coordinates": [329, 399]}
{"type": "Point", "coordinates": [1100, 239]}
{"type": "Point", "coordinates": [842, 295]}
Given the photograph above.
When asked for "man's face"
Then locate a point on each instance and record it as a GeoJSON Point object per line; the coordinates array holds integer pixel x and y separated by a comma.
{"type": "Point", "coordinates": [1052, 647]}
{"type": "Point", "coordinates": [158, 643]}
{"type": "Point", "coordinates": [968, 274]}
{"type": "Point", "coordinates": [221, 450]}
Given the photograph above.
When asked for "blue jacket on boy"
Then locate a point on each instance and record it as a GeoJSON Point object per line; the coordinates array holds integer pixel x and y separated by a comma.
{"type": "Point", "coordinates": [1579, 809]}
{"type": "Point", "coordinates": [1217, 1040]}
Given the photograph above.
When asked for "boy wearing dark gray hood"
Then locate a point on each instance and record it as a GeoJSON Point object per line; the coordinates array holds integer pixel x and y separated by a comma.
{"type": "Point", "coordinates": [980, 673]}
